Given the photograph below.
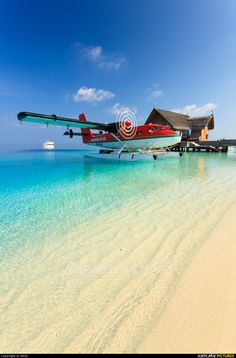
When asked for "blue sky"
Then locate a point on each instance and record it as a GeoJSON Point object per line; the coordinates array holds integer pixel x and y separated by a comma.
{"type": "Point", "coordinates": [68, 57]}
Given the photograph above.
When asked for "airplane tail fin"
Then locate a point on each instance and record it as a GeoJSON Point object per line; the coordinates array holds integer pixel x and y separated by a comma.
{"type": "Point", "coordinates": [86, 133]}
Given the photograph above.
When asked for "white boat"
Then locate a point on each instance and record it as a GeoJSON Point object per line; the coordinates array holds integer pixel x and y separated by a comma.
{"type": "Point", "coordinates": [48, 145]}
{"type": "Point", "coordinates": [134, 156]}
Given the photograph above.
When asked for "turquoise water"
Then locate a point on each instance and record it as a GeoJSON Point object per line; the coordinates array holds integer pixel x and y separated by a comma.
{"type": "Point", "coordinates": [76, 233]}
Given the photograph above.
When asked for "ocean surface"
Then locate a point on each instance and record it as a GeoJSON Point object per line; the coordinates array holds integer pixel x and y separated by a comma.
{"type": "Point", "coordinates": [92, 252]}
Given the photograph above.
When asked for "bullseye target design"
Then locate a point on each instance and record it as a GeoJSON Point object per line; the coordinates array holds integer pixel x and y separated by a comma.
{"type": "Point", "coordinates": [126, 123]}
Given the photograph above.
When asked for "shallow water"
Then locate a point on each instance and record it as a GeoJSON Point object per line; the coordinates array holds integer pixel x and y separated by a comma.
{"type": "Point", "coordinates": [92, 252]}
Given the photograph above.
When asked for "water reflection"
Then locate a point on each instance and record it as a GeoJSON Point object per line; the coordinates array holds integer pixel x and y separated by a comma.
{"type": "Point", "coordinates": [189, 165]}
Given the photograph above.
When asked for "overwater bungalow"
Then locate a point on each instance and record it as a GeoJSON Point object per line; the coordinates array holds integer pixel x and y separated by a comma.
{"type": "Point", "coordinates": [192, 128]}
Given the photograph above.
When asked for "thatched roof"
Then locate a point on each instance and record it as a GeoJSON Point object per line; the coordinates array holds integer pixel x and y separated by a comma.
{"type": "Point", "coordinates": [201, 122]}
{"type": "Point", "coordinates": [176, 120]}
{"type": "Point", "coordinates": [180, 121]}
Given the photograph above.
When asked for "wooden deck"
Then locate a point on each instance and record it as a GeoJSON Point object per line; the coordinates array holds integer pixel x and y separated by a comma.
{"type": "Point", "coordinates": [205, 146]}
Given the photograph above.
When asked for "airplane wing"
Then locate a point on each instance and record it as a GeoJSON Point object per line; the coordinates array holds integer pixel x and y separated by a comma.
{"type": "Point", "coordinates": [60, 121]}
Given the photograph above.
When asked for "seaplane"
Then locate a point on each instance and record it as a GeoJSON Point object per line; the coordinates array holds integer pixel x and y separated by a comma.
{"type": "Point", "coordinates": [121, 140]}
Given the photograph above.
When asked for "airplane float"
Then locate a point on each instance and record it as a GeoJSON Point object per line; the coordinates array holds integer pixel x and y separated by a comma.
{"type": "Point", "coordinates": [121, 140]}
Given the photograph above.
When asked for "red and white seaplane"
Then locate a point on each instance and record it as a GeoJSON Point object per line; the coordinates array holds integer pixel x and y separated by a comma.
{"type": "Point", "coordinates": [122, 140]}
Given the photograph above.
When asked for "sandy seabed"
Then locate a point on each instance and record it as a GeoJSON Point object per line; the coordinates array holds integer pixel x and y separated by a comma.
{"type": "Point", "coordinates": [153, 274]}
{"type": "Point", "coordinates": [137, 299]}
{"type": "Point", "coordinates": [201, 315]}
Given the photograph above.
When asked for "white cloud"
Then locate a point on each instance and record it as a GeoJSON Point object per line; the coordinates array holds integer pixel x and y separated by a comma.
{"type": "Point", "coordinates": [154, 95]}
{"type": "Point", "coordinates": [85, 94]}
{"type": "Point", "coordinates": [154, 92]}
{"type": "Point", "coordinates": [93, 53]}
{"type": "Point", "coordinates": [117, 108]}
{"type": "Point", "coordinates": [194, 111]}
{"type": "Point", "coordinates": [96, 55]}
{"type": "Point", "coordinates": [115, 63]}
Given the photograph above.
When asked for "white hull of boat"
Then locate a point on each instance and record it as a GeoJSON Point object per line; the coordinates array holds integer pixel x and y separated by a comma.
{"type": "Point", "coordinates": [48, 145]}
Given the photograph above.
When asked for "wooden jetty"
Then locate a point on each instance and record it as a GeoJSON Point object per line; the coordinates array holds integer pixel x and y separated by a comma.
{"type": "Point", "coordinates": [204, 146]}
{"type": "Point", "coordinates": [194, 131]}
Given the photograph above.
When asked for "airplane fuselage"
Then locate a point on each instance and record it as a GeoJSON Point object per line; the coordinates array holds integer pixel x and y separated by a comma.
{"type": "Point", "coordinates": [146, 136]}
